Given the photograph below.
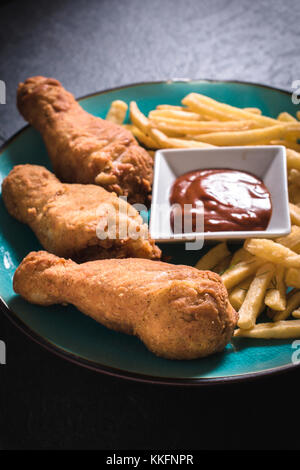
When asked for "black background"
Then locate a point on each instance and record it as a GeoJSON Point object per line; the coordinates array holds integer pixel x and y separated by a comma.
{"type": "Point", "coordinates": [48, 403]}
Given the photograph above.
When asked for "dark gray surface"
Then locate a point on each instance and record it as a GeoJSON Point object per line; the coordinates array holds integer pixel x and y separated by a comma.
{"type": "Point", "coordinates": [92, 45]}
{"type": "Point", "coordinates": [47, 403]}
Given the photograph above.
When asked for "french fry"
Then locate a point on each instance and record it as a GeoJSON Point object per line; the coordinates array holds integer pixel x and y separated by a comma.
{"type": "Point", "coordinates": [296, 313]}
{"type": "Point", "coordinates": [129, 127]}
{"type": "Point", "coordinates": [295, 215]}
{"type": "Point", "coordinates": [292, 240]}
{"type": "Point", "coordinates": [170, 142]}
{"type": "Point", "coordinates": [291, 145]}
{"type": "Point", "coordinates": [238, 293]}
{"type": "Point", "coordinates": [223, 112]}
{"type": "Point", "coordinates": [202, 117]}
{"type": "Point", "coordinates": [292, 131]}
{"type": "Point", "coordinates": [213, 257]}
{"type": "Point", "coordinates": [293, 159]}
{"type": "Point", "coordinates": [143, 138]}
{"type": "Point", "coordinates": [253, 302]}
{"type": "Point", "coordinates": [222, 265]}
{"type": "Point", "coordinates": [138, 118]}
{"type": "Point", "coordinates": [253, 110]}
{"type": "Point", "coordinates": [286, 117]}
{"type": "Point", "coordinates": [277, 330]}
{"type": "Point", "coordinates": [117, 112]}
{"type": "Point", "coordinates": [292, 277]}
{"type": "Point", "coordinates": [276, 296]}
{"type": "Point", "coordinates": [237, 273]}
{"type": "Point", "coordinates": [189, 127]}
{"type": "Point", "coordinates": [298, 115]}
{"type": "Point", "coordinates": [294, 193]}
{"type": "Point", "coordinates": [170, 106]}
{"type": "Point", "coordinates": [241, 255]}
{"type": "Point", "coordinates": [169, 131]}
{"type": "Point", "coordinates": [294, 177]}
{"type": "Point", "coordinates": [178, 114]}
{"type": "Point", "coordinates": [273, 252]}
{"type": "Point", "coordinates": [247, 137]}
{"type": "Point", "coordinates": [287, 143]}
{"type": "Point", "coordinates": [293, 301]}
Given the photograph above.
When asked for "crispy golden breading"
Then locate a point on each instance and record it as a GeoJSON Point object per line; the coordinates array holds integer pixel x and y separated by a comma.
{"type": "Point", "coordinates": [84, 148]}
{"type": "Point", "coordinates": [178, 312]}
{"type": "Point", "coordinates": [64, 217]}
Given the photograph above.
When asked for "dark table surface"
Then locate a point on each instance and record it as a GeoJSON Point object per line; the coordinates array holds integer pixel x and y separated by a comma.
{"type": "Point", "coordinates": [48, 403]}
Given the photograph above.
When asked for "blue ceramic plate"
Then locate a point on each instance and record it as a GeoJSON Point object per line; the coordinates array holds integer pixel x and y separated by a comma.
{"type": "Point", "coordinates": [72, 335]}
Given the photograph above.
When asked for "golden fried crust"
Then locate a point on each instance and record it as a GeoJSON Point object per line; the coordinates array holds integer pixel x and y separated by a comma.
{"type": "Point", "coordinates": [178, 312]}
{"type": "Point", "coordinates": [84, 148]}
{"type": "Point", "coordinates": [65, 217]}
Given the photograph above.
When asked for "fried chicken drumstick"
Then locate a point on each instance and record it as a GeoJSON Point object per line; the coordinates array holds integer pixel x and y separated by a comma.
{"type": "Point", "coordinates": [178, 312]}
{"type": "Point", "coordinates": [84, 148]}
{"type": "Point", "coordinates": [65, 217]}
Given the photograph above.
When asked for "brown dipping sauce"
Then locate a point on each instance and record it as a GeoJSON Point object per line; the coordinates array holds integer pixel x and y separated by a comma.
{"type": "Point", "coordinates": [233, 200]}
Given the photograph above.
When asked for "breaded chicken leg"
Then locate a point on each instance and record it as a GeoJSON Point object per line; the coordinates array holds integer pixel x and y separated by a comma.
{"type": "Point", "coordinates": [84, 148]}
{"type": "Point", "coordinates": [69, 218]}
{"type": "Point", "coordinates": [178, 312]}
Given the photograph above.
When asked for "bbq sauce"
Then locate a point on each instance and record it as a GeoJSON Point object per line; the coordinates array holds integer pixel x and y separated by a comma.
{"type": "Point", "coordinates": [232, 200]}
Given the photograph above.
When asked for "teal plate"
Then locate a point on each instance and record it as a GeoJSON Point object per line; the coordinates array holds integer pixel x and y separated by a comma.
{"type": "Point", "coordinates": [72, 335]}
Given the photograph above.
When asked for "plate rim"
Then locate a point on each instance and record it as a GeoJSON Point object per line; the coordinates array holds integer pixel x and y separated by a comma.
{"type": "Point", "coordinates": [109, 370]}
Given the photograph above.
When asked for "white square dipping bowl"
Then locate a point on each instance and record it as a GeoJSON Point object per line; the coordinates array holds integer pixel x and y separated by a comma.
{"type": "Point", "coordinates": [266, 162]}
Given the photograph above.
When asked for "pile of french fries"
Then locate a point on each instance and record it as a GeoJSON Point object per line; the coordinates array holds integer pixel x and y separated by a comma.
{"type": "Point", "coordinates": [256, 277]}
{"type": "Point", "coordinates": [203, 122]}
{"type": "Point", "coordinates": [258, 274]}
